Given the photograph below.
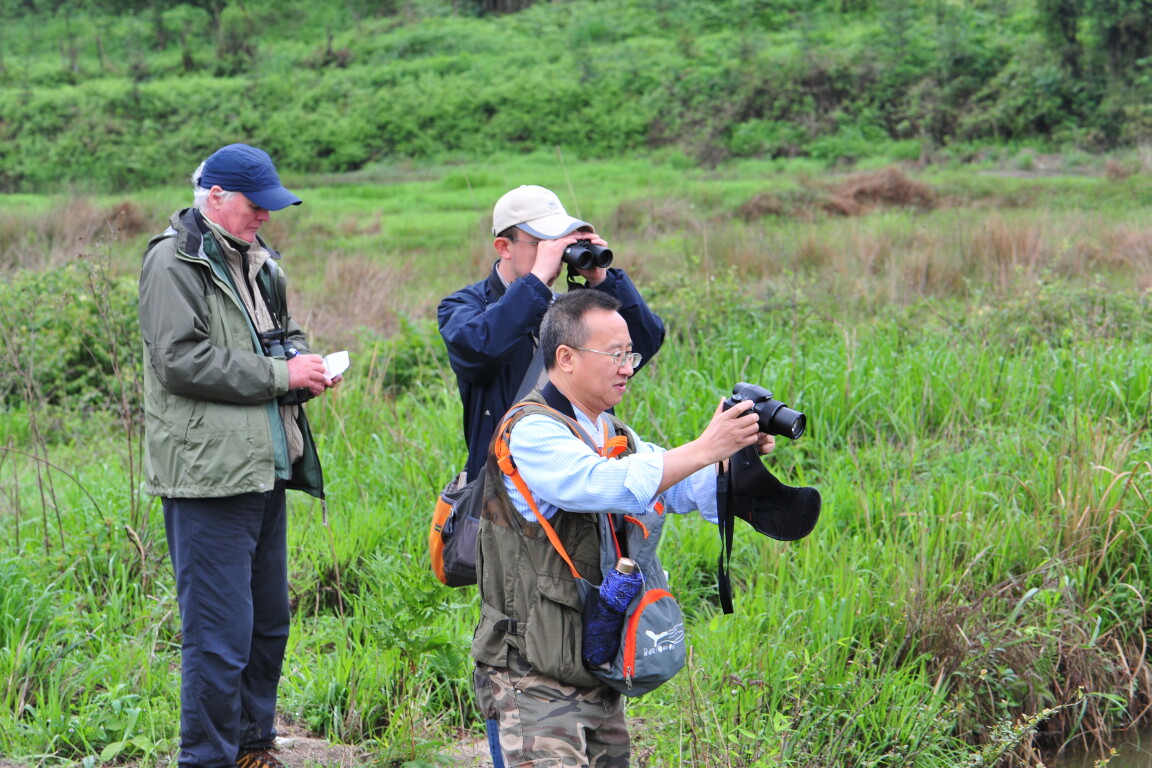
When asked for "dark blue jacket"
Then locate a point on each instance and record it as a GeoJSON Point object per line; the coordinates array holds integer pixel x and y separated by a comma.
{"type": "Point", "coordinates": [489, 334]}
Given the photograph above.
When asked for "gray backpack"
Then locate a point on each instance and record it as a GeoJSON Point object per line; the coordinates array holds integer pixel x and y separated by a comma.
{"type": "Point", "coordinates": [653, 646]}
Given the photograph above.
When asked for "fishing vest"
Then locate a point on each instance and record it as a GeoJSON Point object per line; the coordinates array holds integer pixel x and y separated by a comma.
{"type": "Point", "coordinates": [530, 600]}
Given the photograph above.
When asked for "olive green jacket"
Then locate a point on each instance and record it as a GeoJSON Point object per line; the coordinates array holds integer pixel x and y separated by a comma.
{"type": "Point", "coordinates": [212, 422]}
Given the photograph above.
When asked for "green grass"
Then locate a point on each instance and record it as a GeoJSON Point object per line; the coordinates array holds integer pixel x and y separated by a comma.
{"type": "Point", "coordinates": [115, 95]}
{"type": "Point", "coordinates": [977, 380]}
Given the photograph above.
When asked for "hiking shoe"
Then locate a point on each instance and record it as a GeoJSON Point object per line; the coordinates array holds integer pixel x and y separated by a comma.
{"type": "Point", "coordinates": [257, 758]}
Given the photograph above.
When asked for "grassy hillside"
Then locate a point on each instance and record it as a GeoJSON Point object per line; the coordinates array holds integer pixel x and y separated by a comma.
{"type": "Point", "coordinates": [119, 95]}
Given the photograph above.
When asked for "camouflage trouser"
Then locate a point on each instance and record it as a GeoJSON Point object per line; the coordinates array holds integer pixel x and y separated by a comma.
{"type": "Point", "coordinates": [545, 723]}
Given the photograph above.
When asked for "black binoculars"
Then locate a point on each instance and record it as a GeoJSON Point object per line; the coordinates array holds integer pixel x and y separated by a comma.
{"type": "Point", "coordinates": [277, 344]}
{"type": "Point", "coordinates": [582, 254]}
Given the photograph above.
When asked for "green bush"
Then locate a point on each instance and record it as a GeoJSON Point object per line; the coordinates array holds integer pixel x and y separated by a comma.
{"type": "Point", "coordinates": [413, 356]}
{"type": "Point", "coordinates": [68, 336]}
{"type": "Point", "coordinates": [328, 89]}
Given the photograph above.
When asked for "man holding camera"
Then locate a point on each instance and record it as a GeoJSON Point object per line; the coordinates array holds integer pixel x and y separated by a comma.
{"type": "Point", "coordinates": [527, 645]}
{"type": "Point", "coordinates": [491, 327]}
{"type": "Point", "coordinates": [225, 370]}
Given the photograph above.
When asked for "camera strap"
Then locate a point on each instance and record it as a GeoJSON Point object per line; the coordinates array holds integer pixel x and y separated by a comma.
{"type": "Point", "coordinates": [532, 375]}
{"type": "Point", "coordinates": [726, 521]}
{"type": "Point", "coordinates": [263, 280]}
{"type": "Point", "coordinates": [746, 489]}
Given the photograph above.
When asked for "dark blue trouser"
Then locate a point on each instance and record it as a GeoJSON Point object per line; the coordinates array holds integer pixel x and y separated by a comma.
{"type": "Point", "coordinates": [230, 556]}
{"type": "Point", "coordinates": [492, 728]}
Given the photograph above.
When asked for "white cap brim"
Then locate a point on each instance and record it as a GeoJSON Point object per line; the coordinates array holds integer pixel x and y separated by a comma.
{"type": "Point", "coordinates": [552, 227]}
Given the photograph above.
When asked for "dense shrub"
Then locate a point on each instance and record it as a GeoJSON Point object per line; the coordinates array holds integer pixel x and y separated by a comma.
{"type": "Point", "coordinates": [68, 336]}
{"type": "Point", "coordinates": [100, 99]}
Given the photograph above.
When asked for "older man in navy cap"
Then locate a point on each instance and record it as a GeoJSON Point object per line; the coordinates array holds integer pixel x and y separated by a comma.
{"type": "Point", "coordinates": [226, 370]}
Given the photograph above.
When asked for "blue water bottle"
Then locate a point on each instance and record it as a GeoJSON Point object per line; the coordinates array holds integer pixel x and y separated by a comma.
{"type": "Point", "coordinates": [604, 617]}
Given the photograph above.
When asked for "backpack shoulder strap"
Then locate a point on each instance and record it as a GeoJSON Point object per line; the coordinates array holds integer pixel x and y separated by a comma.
{"type": "Point", "coordinates": [508, 467]}
{"type": "Point", "coordinates": [621, 440]}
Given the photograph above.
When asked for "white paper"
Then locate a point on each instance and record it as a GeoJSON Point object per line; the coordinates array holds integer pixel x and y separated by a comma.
{"type": "Point", "coordinates": [335, 364]}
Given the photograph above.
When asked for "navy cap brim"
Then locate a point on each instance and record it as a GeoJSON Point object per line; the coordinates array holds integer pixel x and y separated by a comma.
{"type": "Point", "coordinates": [273, 198]}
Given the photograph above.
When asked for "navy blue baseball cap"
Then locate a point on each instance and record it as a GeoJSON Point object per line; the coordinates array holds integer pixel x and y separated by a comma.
{"type": "Point", "coordinates": [246, 169]}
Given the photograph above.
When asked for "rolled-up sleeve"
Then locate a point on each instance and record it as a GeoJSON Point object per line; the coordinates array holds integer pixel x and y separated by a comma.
{"type": "Point", "coordinates": [563, 472]}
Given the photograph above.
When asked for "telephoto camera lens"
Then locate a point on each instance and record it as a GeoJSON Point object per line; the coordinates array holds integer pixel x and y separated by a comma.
{"type": "Point", "coordinates": [775, 417]}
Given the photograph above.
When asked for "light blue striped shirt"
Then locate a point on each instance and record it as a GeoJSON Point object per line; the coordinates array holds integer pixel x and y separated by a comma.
{"type": "Point", "coordinates": [562, 472]}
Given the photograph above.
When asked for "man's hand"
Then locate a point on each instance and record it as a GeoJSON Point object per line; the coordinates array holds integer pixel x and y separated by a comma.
{"type": "Point", "coordinates": [549, 255]}
{"type": "Point", "coordinates": [596, 275]}
{"type": "Point", "coordinates": [728, 432]}
{"type": "Point", "coordinates": [308, 372]}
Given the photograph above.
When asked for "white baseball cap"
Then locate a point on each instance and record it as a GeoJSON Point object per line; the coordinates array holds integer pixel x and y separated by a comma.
{"type": "Point", "coordinates": [535, 210]}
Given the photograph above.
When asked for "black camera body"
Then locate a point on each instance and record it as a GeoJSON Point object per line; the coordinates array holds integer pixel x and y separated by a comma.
{"type": "Point", "coordinates": [583, 254]}
{"type": "Point", "coordinates": [277, 344]}
{"type": "Point", "coordinates": [775, 417]}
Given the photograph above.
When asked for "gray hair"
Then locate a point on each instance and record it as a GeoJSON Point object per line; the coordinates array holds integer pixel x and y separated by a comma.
{"type": "Point", "coordinates": [564, 321]}
{"type": "Point", "coordinates": [200, 194]}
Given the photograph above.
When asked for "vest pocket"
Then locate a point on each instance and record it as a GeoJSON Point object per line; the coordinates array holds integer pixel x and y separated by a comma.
{"type": "Point", "coordinates": [552, 641]}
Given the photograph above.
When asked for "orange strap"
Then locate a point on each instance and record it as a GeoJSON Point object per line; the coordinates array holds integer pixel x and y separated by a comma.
{"type": "Point", "coordinates": [613, 447]}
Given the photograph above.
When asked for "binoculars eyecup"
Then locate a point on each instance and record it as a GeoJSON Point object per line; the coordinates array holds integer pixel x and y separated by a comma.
{"type": "Point", "coordinates": [583, 254]}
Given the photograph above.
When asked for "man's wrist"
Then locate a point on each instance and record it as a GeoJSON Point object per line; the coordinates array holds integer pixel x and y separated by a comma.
{"type": "Point", "coordinates": [604, 283]}
{"type": "Point", "coordinates": [282, 376]}
{"type": "Point", "coordinates": [537, 285]}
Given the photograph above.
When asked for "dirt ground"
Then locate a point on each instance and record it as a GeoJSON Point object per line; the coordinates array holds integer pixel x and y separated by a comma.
{"type": "Point", "coordinates": [296, 748]}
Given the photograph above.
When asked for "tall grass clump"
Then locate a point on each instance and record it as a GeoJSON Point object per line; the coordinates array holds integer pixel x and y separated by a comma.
{"type": "Point", "coordinates": [977, 384]}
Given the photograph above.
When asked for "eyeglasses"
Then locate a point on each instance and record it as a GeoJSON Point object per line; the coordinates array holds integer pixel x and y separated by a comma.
{"type": "Point", "coordinates": [619, 358]}
{"type": "Point", "coordinates": [529, 242]}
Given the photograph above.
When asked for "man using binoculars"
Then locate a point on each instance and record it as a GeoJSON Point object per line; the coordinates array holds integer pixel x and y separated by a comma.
{"type": "Point", "coordinates": [491, 327]}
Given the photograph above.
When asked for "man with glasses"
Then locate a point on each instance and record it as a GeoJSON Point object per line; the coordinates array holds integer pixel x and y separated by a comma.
{"type": "Point", "coordinates": [528, 642]}
{"type": "Point", "coordinates": [491, 327]}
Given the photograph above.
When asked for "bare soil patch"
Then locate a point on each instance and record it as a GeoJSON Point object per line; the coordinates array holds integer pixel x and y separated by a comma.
{"type": "Point", "coordinates": [297, 747]}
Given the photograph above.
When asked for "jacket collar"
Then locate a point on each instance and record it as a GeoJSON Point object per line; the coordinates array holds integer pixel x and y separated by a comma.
{"type": "Point", "coordinates": [557, 401]}
{"type": "Point", "coordinates": [496, 287]}
{"type": "Point", "coordinates": [191, 229]}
